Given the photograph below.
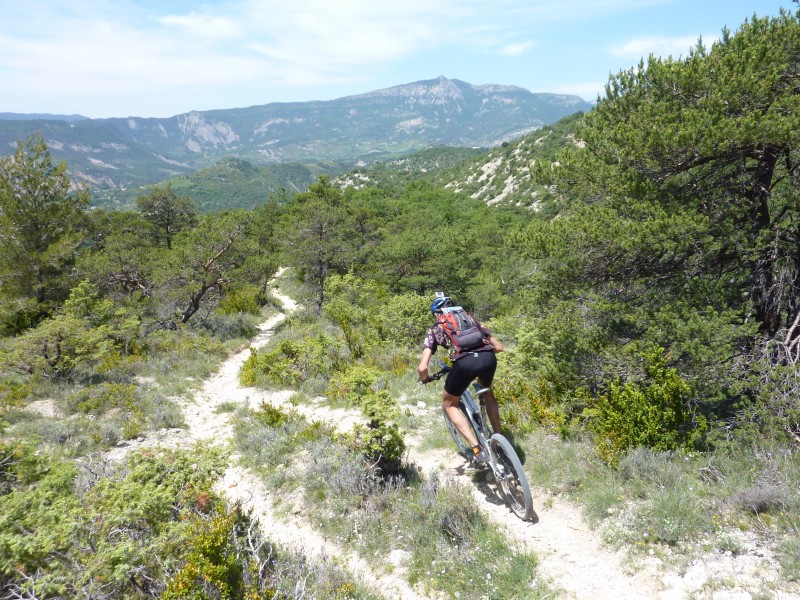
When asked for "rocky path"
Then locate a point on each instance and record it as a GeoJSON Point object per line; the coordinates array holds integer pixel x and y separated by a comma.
{"type": "Point", "coordinates": [571, 557]}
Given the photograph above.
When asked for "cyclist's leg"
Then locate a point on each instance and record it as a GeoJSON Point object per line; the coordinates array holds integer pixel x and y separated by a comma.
{"type": "Point", "coordinates": [457, 381]}
{"type": "Point", "coordinates": [485, 378]}
{"type": "Point", "coordinates": [450, 405]}
{"type": "Point", "coordinates": [492, 410]}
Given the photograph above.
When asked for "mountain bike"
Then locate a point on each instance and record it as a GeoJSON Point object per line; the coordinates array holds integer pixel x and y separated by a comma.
{"type": "Point", "coordinates": [503, 460]}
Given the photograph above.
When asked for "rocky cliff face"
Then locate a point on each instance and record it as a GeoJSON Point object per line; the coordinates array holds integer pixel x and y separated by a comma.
{"type": "Point", "coordinates": [355, 129]}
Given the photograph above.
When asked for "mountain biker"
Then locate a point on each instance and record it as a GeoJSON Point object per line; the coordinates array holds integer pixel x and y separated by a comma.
{"type": "Point", "coordinates": [480, 363]}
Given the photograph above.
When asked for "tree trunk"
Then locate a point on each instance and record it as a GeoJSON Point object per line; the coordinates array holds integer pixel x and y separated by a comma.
{"type": "Point", "coordinates": [765, 293]}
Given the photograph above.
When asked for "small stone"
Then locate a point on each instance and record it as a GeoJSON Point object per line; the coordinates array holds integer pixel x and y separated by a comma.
{"type": "Point", "coordinates": [398, 557]}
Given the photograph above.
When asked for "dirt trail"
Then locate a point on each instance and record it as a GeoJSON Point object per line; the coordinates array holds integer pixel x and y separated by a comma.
{"type": "Point", "coordinates": [208, 417]}
{"type": "Point", "coordinates": [572, 558]}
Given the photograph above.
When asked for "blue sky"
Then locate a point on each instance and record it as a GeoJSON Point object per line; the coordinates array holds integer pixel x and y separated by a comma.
{"type": "Point", "coordinates": [159, 58]}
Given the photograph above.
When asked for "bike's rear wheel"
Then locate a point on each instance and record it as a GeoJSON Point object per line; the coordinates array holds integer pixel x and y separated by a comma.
{"type": "Point", "coordinates": [511, 478]}
{"type": "Point", "coordinates": [464, 447]}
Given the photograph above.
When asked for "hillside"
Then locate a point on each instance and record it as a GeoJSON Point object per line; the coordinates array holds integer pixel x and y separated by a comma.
{"type": "Point", "coordinates": [120, 153]}
{"type": "Point", "coordinates": [230, 183]}
{"type": "Point", "coordinates": [498, 176]}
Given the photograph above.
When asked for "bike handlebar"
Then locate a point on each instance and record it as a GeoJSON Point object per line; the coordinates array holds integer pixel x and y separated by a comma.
{"type": "Point", "coordinates": [439, 374]}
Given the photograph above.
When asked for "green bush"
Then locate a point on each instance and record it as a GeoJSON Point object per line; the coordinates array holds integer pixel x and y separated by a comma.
{"type": "Point", "coordinates": [58, 347]}
{"type": "Point", "coordinates": [354, 383]}
{"type": "Point", "coordinates": [291, 363]}
{"type": "Point", "coordinates": [269, 415]}
{"type": "Point", "coordinates": [241, 300]}
{"type": "Point", "coordinates": [526, 401]}
{"type": "Point", "coordinates": [653, 413]}
{"type": "Point", "coordinates": [402, 319]}
{"type": "Point", "coordinates": [124, 536]}
{"type": "Point", "coordinates": [380, 440]}
{"type": "Point", "coordinates": [99, 399]}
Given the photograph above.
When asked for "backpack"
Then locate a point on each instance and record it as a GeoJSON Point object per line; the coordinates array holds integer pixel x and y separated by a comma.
{"type": "Point", "coordinates": [461, 329]}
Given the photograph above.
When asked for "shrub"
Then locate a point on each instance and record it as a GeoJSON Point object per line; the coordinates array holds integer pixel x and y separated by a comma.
{"type": "Point", "coordinates": [291, 363]}
{"type": "Point", "coordinates": [759, 499]}
{"type": "Point", "coordinates": [57, 347]}
{"type": "Point", "coordinates": [380, 440]}
{"type": "Point", "coordinates": [653, 413]}
{"type": "Point", "coordinates": [231, 326]}
{"type": "Point", "coordinates": [122, 537]}
{"type": "Point", "coordinates": [212, 569]}
{"type": "Point", "coordinates": [99, 399]}
{"type": "Point", "coordinates": [269, 415]}
{"type": "Point", "coordinates": [354, 383]}
{"type": "Point", "coordinates": [403, 319]}
{"type": "Point", "coordinates": [12, 395]}
{"type": "Point", "coordinates": [241, 300]}
{"type": "Point", "coordinates": [525, 401]}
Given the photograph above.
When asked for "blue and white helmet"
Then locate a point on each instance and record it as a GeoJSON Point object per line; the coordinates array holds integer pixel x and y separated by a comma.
{"type": "Point", "coordinates": [440, 302]}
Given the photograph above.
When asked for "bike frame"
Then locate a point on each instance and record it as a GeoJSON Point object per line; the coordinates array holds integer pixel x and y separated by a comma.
{"type": "Point", "coordinates": [476, 415]}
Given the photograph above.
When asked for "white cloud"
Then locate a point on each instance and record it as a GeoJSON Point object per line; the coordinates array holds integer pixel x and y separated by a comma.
{"type": "Point", "coordinates": [516, 49]}
{"type": "Point", "coordinates": [662, 46]}
{"type": "Point", "coordinates": [330, 34]}
{"type": "Point", "coordinates": [205, 26]}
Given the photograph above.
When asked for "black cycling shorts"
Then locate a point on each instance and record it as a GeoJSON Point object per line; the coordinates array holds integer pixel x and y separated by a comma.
{"type": "Point", "coordinates": [473, 364]}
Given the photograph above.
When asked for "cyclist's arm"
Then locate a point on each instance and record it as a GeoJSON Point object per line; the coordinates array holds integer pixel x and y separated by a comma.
{"type": "Point", "coordinates": [422, 369]}
{"type": "Point", "coordinates": [497, 345]}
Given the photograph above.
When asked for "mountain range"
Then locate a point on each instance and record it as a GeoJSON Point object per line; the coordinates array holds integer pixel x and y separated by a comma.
{"type": "Point", "coordinates": [115, 154]}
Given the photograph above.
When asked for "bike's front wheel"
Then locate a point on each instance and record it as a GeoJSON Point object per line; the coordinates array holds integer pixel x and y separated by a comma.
{"type": "Point", "coordinates": [511, 478]}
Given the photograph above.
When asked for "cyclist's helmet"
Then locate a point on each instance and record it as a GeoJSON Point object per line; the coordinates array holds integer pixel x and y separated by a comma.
{"type": "Point", "coordinates": [440, 302]}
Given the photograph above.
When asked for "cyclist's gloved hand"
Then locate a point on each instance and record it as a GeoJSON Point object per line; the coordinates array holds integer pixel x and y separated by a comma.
{"type": "Point", "coordinates": [426, 380]}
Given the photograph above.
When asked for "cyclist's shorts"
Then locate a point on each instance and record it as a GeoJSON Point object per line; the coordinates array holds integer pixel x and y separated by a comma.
{"type": "Point", "coordinates": [467, 368]}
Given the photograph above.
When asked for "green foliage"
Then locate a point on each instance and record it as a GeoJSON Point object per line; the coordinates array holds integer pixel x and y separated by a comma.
{"type": "Point", "coordinates": [99, 399]}
{"type": "Point", "coordinates": [124, 535]}
{"type": "Point", "coordinates": [167, 213]}
{"type": "Point", "coordinates": [652, 413]}
{"type": "Point", "coordinates": [212, 568]}
{"type": "Point", "coordinates": [243, 299]}
{"type": "Point", "coordinates": [380, 441]}
{"type": "Point", "coordinates": [269, 415]}
{"type": "Point", "coordinates": [43, 224]}
{"type": "Point", "coordinates": [58, 347]}
{"type": "Point", "coordinates": [354, 383]}
{"type": "Point", "coordinates": [526, 402]}
{"type": "Point", "coordinates": [12, 395]}
{"type": "Point", "coordinates": [402, 319]}
{"type": "Point", "coordinates": [87, 335]}
{"type": "Point", "coordinates": [349, 302]}
{"type": "Point", "coordinates": [291, 363]}
{"type": "Point", "coordinates": [727, 158]}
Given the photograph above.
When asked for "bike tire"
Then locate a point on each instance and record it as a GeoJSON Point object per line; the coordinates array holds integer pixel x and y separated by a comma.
{"type": "Point", "coordinates": [512, 480]}
{"type": "Point", "coordinates": [464, 447]}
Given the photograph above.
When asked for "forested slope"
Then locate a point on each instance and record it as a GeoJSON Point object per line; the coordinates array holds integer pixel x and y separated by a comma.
{"type": "Point", "coordinates": [649, 304]}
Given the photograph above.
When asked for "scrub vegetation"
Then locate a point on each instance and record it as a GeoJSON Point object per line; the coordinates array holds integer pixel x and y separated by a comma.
{"type": "Point", "coordinates": [648, 295]}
